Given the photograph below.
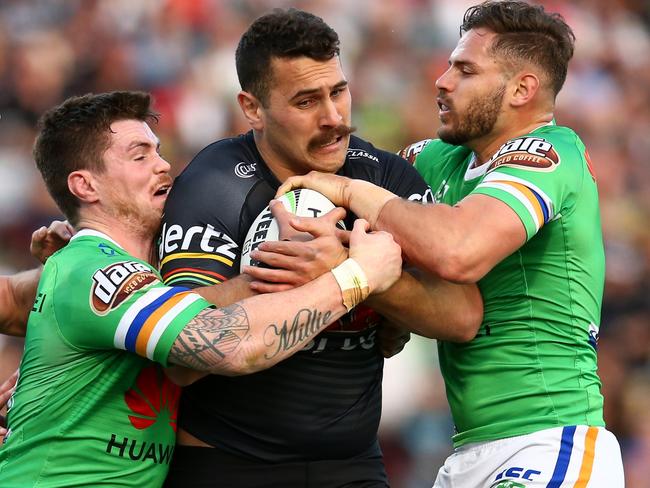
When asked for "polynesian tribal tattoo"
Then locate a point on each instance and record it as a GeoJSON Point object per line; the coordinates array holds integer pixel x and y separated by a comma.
{"type": "Point", "coordinates": [210, 337]}
{"type": "Point", "coordinates": [304, 324]}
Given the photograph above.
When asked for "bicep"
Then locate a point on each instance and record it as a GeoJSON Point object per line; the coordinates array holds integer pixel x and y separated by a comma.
{"type": "Point", "coordinates": [488, 230]}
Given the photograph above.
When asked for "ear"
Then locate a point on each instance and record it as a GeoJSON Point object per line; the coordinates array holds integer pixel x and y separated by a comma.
{"type": "Point", "coordinates": [252, 109]}
{"type": "Point", "coordinates": [525, 88]}
{"type": "Point", "coordinates": [83, 185]}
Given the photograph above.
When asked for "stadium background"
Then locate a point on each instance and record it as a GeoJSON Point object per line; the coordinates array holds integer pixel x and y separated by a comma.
{"type": "Point", "coordinates": [393, 50]}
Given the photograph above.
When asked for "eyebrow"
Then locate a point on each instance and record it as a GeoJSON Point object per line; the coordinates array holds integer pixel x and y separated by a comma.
{"type": "Point", "coordinates": [461, 63]}
{"type": "Point", "coordinates": [137, 144]}
{"type": "Point", "coordinates": [312, 91]}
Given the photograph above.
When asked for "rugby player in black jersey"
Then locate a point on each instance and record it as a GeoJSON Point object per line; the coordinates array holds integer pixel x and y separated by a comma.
{"type": "Point", "coordinates": [311, 420]}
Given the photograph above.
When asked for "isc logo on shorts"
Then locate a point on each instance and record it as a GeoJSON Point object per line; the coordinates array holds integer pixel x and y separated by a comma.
{"type": "Point", "coordinates": [113, 284]}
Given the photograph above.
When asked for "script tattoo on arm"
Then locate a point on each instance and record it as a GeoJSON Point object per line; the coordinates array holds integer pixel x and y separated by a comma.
{"type": "Point", "coordinates": [222, 341]}
{"type": "Point", "coordinates": [208, 338]}
{"type": "Point", "coordinates": [304, 324]}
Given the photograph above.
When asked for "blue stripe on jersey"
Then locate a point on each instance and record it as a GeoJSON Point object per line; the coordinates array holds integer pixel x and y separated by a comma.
{"type": "Point", "coordinates": [143, 315]}
{"type": "Point", "coordinates": [563, 458]}
{"type": "Point", "coordinates": [542, 204]}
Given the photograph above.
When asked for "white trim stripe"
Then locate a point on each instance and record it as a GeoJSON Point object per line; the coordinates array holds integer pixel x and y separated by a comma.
{"type": "Point", "coordinates": [94, 233]}
{"type": "Point", "coordinates": [506, 177]}
{"type": "Point", "coordinates": [125, 322]}
{"type": "Point", "coordinates": [166, 319]}
{"type": "Point", "coordinates": [518, 195]}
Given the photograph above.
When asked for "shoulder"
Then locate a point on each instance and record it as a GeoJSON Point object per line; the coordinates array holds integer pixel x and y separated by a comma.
{"type": "Point", "coordinates": [547, 149]}
{"type": "Point", "coordinates": [233, 156]}
{"type": "Point", "coordinates": [100, 270]}
{"type": "Point", "coordinates": [363, 151]}
{"type": "Point", "coordinates": [222, 174]}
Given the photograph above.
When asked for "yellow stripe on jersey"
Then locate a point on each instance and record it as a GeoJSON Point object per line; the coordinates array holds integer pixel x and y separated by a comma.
{"type": "Point", "coordinates": [196, 255]}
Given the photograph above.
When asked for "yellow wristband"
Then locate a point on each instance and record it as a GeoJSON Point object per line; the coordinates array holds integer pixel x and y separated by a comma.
{"type": "Point", "coordinates": [353, 283]}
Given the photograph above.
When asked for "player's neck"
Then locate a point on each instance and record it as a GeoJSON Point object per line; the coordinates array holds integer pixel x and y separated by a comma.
{"type": "Point", "coordinates": [132, 239]}
{"type": "Point", "coordinates": [485, 147]}
{"type": "Point", "coordinates": [274, 162]}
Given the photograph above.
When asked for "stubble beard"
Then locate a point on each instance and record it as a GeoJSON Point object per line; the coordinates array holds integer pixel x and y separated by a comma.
{"type": "Point", "coordinates": [142, 222]}
{"type": "Point", "coordinates": [479, 119]}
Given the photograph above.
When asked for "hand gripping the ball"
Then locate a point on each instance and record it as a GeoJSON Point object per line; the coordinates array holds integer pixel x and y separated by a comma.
{"type": "Point", "coordinates": [379, 256]}
{"type": "Point", "coordinates": [308, 247]}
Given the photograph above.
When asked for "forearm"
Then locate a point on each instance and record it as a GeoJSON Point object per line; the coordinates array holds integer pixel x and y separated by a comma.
{"type": "Point", "coordinates": [459, 243]}
{"type": "Point", "coordinates": [425, 234]}
{"type": "Point", "coordinates": [228, 292]}
{"type": "Point", "coordinates": [17, 293]}
{"type": "Point", "coordinates": [260, 331]}
{"type": "Point", "coordinates": [431, 307]}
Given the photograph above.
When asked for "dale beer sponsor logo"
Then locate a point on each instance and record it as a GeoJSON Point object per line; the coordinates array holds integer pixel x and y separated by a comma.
{"type": "Point", "coordinates": [526, 152]}
{"type": "Point", "coordinates": [113, 284]}
{"type": "Point", "coordinates": [153, 401]}
{"type": "Point", "coordinates": [245, 170]}
{"type": "Point", "coordinates": [411, 152]}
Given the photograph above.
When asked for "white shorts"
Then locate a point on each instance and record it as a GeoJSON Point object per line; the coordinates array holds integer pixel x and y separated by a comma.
{"type": "Point", "coordinates": [561, 457]}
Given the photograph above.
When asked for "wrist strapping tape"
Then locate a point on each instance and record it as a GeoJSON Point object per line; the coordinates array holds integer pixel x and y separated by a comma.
{"type": "Point", "coordinates": [353, 283]}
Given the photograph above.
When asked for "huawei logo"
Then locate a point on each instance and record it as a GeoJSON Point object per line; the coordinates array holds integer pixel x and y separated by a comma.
{"type": "Point", "coordinates": [153, 397]}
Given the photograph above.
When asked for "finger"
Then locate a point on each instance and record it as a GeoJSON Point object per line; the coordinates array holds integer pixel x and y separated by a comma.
{"type": "Point", "coordinates": [343, 236]}
{"type": "Point", "coordinates": [289, 184]}
{"type": "Point", "coordinates": [361, 226]}
{"type": "Point", "coordinates": [263, 287]}
{"type": "Point", "coordinates": [270, 275]}
{"type": "Point", "coordinates": [287, 248]}
{"type": "Point", "coordinates": [283, 217]}
{"type": "Point", "coordinates": [59, 230]}
{"type": "Point", "coordinates": [39, 235]}
{"type": "Point", "coordinates": [69, 227]}
{"type": "Point", "coordinates": [321, 226]}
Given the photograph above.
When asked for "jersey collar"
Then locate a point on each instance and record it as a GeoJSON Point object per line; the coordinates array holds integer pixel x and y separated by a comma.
{"type": "Point", "coordinates": [94, 233]}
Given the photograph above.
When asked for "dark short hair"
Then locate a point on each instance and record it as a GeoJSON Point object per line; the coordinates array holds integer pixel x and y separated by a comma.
{"type": "Point", "coordinates": [289, 33]}
{"type": "Point", "coordinates": [75, 134]}
{"type": "Point", "coordinates": [526, 33]}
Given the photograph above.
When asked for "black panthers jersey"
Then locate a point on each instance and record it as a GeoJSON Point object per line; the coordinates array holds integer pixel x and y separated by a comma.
{"type": "Point", "coordinates": [325, 401]}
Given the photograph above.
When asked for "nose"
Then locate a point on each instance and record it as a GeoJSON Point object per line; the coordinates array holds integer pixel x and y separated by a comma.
{"type": "Point", "coordinates": [330, 115]}
{"type": "Point", "coordinates": [444, 81]}
{"type": "Point", "coordinates": [162, 166]}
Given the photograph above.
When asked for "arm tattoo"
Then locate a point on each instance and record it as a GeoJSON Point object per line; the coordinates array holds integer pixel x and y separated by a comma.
{"type": "Point", "coordinates": [210, 337]}
{"type": "Point", "coordinates": [304, 324]}
{"type": "Point", "coordinates": [214, 337]}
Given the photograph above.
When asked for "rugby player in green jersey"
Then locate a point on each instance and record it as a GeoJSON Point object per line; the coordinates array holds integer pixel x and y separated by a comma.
{"type": "Point", "coordinates": [516, 212]}
{"type": "Point", "coordinates": [90, 407]}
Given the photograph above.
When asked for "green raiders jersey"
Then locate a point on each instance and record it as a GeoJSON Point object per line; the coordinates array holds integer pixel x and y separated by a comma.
{"type": "Point", "coordinates": [533, 363]}
{"type": "Point", "coordinates": [91, 408]}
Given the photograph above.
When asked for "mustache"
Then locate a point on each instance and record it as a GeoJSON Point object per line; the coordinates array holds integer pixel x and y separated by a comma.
{"type": "Point", "coordinates": [328, 135]}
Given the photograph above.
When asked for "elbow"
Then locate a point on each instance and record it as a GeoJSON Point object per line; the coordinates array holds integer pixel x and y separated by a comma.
{"type": "Point", "coordinates": [469, 319]}
{"type": "Point", "coordinates": [458, 267]}
{"type": "Point", "coordinates": [251, 361]}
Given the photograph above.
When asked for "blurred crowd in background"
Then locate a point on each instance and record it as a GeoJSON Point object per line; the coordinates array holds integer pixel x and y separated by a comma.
{"type": "Point", "coordinates": [392, 52]}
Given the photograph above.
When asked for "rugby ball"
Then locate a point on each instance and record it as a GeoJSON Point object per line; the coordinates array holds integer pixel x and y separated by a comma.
{"type": "Point", "coordinates": [301, 202]}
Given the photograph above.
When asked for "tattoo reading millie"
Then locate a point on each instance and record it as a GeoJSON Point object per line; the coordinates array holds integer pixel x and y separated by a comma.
{"type": "Point", "coordinates": [303, 325]}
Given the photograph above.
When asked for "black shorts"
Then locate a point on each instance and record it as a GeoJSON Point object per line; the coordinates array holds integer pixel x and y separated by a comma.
{"type": "Point", "coordinates": [203, 467]}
